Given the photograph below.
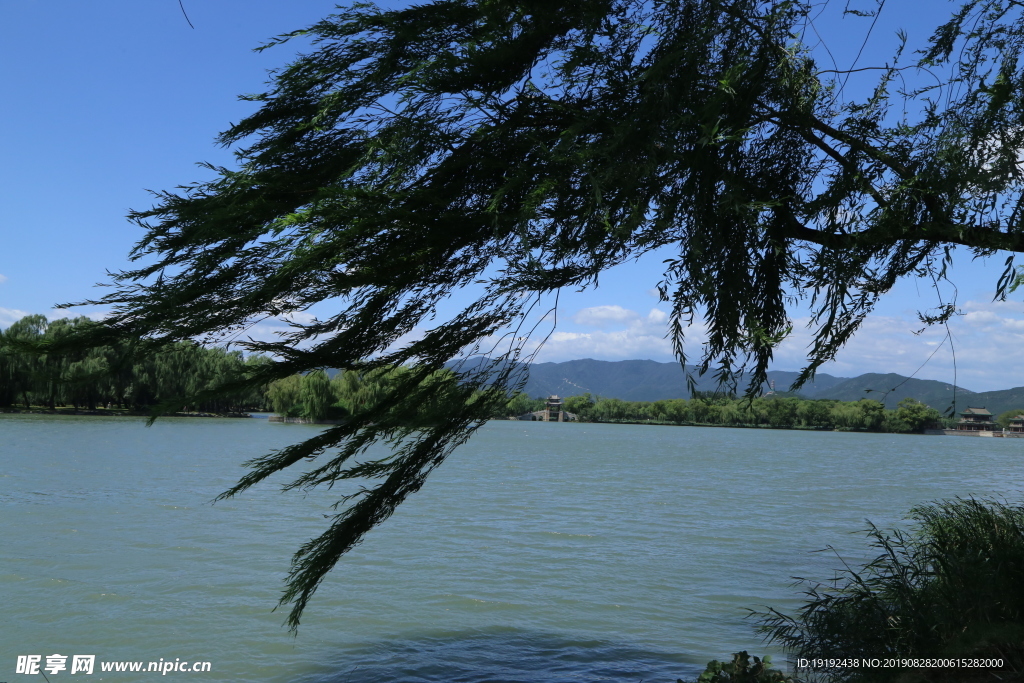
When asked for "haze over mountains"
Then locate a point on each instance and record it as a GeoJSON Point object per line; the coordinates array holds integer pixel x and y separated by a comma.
{"type": "Point", "coordinates": [647, 380]}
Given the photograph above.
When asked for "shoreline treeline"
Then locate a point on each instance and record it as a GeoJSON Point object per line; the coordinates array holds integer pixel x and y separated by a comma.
{"type": "Point", "coordinates": [774, 410]}
{"type": "Point", "coordinates": [316, 397]}
{"type": "Point", "coordinates": [115, 375]}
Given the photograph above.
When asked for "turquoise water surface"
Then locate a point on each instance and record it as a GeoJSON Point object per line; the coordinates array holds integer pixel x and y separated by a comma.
{"type": "Point", "coordinates": [538, 552]}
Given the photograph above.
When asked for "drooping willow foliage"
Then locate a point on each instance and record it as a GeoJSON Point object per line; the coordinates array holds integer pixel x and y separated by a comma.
{"type": "Point", "coordinates": [115, 375]}
{"type": "Point", "coordinates": [315, 397]}
{"type": "Point", "coordinates": [523, 147]}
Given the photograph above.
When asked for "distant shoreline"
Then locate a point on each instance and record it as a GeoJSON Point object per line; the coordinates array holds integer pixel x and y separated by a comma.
{"type": "Point", "coordinates": [113, 412]}
{"type": "Point", "coordinates": [285, 420]}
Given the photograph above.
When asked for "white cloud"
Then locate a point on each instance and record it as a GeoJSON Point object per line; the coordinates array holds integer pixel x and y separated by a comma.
{"type": "Point", "coordinates": [3, 279]}
{"type": "Point", "coordinates": [620, 334]}
{"type": "Point", "coordinates": [613, 345]}
{"type": "Point", "coordinates": [994, 315]}
{"type": "Point", "coordinates": [10, 315]}
{"type": "Point", "coordinates": [988, 341]}
{"type": "Point", "coordinates": [657, 316]}
{"type": "Point", "coordinates": [981, 318]}
{"type": "Point", "coordinates": [604, 316]}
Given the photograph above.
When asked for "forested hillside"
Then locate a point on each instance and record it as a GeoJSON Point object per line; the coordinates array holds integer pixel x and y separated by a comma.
{"type": "Point", "coordinates": [891, 388]}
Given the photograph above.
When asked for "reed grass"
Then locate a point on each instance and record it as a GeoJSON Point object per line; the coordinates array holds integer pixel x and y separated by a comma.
{"type": "Point", "coordinates": [953, 586]}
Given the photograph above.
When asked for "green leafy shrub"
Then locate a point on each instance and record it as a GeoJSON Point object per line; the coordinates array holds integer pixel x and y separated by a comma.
{"type": "Point", "coordinates": [742, 670]}
{"type": "Point", "coordinates": [954, 587]}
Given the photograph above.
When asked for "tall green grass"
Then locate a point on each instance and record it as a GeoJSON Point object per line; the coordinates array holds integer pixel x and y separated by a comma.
{"type": "Point", "coordinates": [951, 587]}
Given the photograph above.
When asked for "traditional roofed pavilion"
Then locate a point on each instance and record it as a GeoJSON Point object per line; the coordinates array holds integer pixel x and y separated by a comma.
{"type": "Point", "coordinates": [1016, 425]}
{"type": "Point", "coordinates": [553, 412]}
{"type": "Point", "coordinates": [553, 409]}
{"type": "Point", "coordinates": [976, 420]}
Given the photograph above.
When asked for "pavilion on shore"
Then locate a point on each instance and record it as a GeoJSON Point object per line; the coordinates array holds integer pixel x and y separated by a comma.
{"type": "Point", "coordinates": [976, 420]}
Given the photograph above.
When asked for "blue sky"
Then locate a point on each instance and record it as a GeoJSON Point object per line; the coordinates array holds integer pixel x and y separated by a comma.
{"type": "Point", "coordinates": [104, 100]}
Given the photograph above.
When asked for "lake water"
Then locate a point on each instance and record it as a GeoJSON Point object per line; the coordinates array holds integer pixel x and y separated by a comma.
{"type": "Point", "coordinates": [538, 552]}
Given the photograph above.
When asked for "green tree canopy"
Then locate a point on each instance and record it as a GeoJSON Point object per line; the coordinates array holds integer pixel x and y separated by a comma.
{"type": "Point", "coordinates": [524, 147]}
{"type": "Point", "coordinates": [114, 375]}
{"type": "Point", "coordinates": [916, 414]}
{"type": "Point", "coordinates": [316, 395]}
{"type": "Point", "coordinates": [1004, 418]}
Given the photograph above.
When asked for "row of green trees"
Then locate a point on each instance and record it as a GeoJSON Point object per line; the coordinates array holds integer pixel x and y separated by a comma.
{"type": "Point", "coordinates": [115, 375]}
{"type": "Point", "coordinates": [769, 411]}
{"type": "Point", "coordinates": [314, 396]}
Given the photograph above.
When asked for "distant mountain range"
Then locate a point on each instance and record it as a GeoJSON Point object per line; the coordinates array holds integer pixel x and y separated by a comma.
{"type": "Point", "coordinates": [647, 380]}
